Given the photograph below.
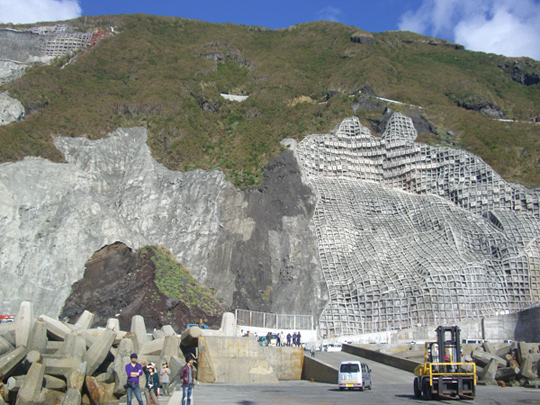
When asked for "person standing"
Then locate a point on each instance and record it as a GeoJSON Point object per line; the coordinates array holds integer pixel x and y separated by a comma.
{"type": "Point", "coordinates": [289, 339]}
{"type": "Point", "coordinates": [298, 337]}
{"type": "Point", "coordinates": [134, 371]}
{"type": "Point", "coordinates": [186, 376]}
{"type": "Point", "coordinates": [152, 383]}
{"type": "Point", "coordinates": [164, 378]}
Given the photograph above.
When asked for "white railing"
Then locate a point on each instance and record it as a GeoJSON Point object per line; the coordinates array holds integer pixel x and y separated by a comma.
{"type": "Point", "coordinates": [268, 320]}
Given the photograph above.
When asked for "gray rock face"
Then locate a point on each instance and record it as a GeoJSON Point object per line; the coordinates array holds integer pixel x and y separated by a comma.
{"type": "Point", "coordinates": [10, 109]}
{"type": "Point", "coordinates": [365, 233]}
{"type": "Point", "coordinates": [19, 50]}
{"type": "Point", "coordinates": [55, 216]}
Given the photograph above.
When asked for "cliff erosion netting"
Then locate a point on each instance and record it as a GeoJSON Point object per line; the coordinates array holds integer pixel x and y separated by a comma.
{"type": "Point", "coordinates": [414, 235]}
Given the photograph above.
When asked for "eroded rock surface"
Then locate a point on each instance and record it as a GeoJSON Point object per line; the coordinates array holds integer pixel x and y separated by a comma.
{"type": "Point", "coordinates": [55, 216]}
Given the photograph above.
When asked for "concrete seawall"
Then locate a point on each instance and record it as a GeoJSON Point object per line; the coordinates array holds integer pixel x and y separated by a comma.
{"type": "Point", "coordinates": [287, 362]}
{"type": "Point", "coordinates": [403, 364]}
{"type": "Point", "coordinates": [242, 360]}
{"type": "Point", "coordinates": [318, 371]}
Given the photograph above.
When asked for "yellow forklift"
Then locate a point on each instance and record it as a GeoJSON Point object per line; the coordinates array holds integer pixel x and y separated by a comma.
{"type": "Point", "coordinates": [443, 374]}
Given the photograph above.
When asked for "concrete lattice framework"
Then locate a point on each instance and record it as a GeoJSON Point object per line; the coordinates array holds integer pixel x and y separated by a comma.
{"type": "Point", "coordinates": [64, 43]}
{"type": "Point", "coordinates": [411, 234]}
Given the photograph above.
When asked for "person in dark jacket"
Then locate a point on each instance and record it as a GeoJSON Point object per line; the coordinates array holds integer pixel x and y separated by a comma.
{"type": "Point", "coordinates": [134, 371]}
{"type": "Point", "coordinates": [152, 383]}
{"type": "Point", "coordinates": [186, 377]}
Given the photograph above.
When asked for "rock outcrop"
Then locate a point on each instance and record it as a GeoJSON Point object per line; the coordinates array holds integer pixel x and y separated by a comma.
{"type": "Point", "coordinates": [55, 216]}
{"type": "Point", "coordinates": [121, 283]}
{"type": "Point", "coordinates": [10, 109]}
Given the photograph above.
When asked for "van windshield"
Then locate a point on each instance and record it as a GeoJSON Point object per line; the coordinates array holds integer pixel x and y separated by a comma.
{"type": "Point", "coordinates": [349, 368]}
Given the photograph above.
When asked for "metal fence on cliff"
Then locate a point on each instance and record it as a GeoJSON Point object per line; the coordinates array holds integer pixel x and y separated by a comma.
{"type": "Point", "coordinates": [273, 321]}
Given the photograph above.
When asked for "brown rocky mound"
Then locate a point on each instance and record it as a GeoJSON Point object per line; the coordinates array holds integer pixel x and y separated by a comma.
{"type": "Point", "coordinates": [120, 283]}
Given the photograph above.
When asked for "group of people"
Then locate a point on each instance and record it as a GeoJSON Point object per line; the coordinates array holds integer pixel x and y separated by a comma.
{"type": "Point", "coordinates": [155, 381]}
{"type": "Point", "coordinates": [289, 340]}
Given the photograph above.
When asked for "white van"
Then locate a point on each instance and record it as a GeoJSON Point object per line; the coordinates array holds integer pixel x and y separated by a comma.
{"type": "Point", "coordinates": [354, 374]}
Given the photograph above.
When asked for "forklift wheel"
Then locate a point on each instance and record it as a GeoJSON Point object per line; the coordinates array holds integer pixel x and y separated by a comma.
{"type": "Point", "coordinates": [427, 394]}
{"type": "Point", "coordinates": [417, 392]}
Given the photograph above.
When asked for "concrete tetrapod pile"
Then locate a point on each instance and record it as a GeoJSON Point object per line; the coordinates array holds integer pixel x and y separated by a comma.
{"type": "Point", "coordinates": [517, 364]}
{"type": "Point", "coordinates": [47, 361]}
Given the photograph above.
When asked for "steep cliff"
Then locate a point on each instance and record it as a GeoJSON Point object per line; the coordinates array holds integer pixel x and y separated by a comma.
{"type": "Point", "coordinates": [256, 248]}
{"type": "Point", "coordinates": [365, 233]}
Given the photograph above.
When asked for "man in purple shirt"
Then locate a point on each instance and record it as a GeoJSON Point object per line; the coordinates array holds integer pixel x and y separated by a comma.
{"type": "Point", "coordinates": [134, 371]}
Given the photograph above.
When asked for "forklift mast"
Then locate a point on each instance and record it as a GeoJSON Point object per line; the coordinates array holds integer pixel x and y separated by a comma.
{"type": "Point", "coordinates": [448, 339]}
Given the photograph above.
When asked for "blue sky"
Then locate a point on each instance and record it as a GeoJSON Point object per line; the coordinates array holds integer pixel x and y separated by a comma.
{"type": "Point", "coordinates": [508, 27]}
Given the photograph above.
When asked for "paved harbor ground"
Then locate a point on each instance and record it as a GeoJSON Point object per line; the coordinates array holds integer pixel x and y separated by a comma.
{"type": "Point", "coordinates": [390, 386]}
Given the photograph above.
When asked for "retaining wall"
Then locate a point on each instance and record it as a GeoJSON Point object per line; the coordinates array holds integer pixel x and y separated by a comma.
{"type": "Point", "coordinates": [318, 371]}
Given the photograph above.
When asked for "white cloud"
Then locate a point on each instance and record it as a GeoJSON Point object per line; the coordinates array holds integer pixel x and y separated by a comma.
{"type": "Point", "coordinates": [508, 27]}
{"type": "Point", "coordinates": [30, 11]}
{"type": "Point", "coordinates": [329, 13]}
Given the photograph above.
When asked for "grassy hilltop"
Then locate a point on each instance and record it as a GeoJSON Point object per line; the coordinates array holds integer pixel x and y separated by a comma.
{"type": "Point", "coordinates": [167, 73]}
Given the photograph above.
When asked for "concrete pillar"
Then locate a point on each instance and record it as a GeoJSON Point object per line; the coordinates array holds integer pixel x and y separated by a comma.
{"type": "Point", "coordinates": [14, 383]}
{"type": "Point", "coordinates": [506, 373]}
{"type": "Point", "coordinates": [175, 365]}
{"type": "Point", "coordinates": [490, 372]}
{"type": "Point", "coordinates": [158, 334]}
{"type": "Point", "coordinates": [99, 392]}
{"type": "Point", "coordinates": [23, 323]}
{"type": "Point", "coordinates": [190, 337]}
{"type": "Point", "coordinates": [10, 361]}
{"type": "Point", "coordinates": [73, 346]}
{"type": "Point", "coordinates": [5, 346]}
{"type": "Point", "coordinates": [484, 358]}
{"type": "Point", "coordinates": [73, 397]}
{"type": "Point", "coordinates": [228, 324]}
{"type": "Point", "coordinates": [152, 347]}
{"type": "Point", "coordinates": [38, 337]}
{"type": "Point", "coordinates": [33, 357]}
{"type": "Point", "coordinates": [85, 321]}
{"type": "Point", "coordinates": [60, 366]}
{"type": "Point", "coordinates": [30, 390]}
{"type": "Point", "coordinates": [75, 378]}
{"type": "Point", "coordinates": [113, 324]}
{"type": "Point", "coordinates": [168, 330]}
{"type": "Point", "coordinates": [171, 347]}
{"type": "Point", "coordinates": [97, 353]}
{"type": "Point", "coordinates": [125, 348]}
{"type": "Point", "coordinates": [57, 329]}
{"type": "Point", "coordinates": [50, 382]}
{"type": "Point", "coordinates": [139, 329]}
{"type": "Point", "coordinates": [527, 368]}
{"type": "Point", "coordinates": [134, 342]}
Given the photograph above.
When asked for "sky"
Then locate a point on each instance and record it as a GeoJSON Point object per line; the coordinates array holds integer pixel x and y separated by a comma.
{"type": "Point", "coordinates": [507, 27]}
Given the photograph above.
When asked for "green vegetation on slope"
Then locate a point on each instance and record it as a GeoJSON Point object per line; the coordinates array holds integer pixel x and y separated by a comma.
{"type": "Point", "coordinates": [167, 74]}
{"type": "Point", "coordinates": [174, 281]}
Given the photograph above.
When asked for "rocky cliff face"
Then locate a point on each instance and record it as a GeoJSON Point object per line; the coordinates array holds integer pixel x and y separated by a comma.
{"type": "Point", "coordinates": [366, 233]}
{"type": "Point", "coordinates": [10, 109]}
{"type": "Point", "coordinates": [247, 245]}
{"type": "Point", "coordinates": [120, 283]}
